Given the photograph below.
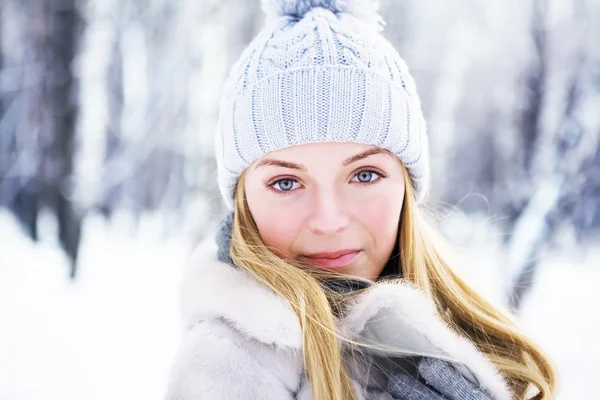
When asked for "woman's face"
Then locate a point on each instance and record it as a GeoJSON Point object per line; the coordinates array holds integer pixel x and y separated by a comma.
{"type": "Point", "coordinates": [335, 205]}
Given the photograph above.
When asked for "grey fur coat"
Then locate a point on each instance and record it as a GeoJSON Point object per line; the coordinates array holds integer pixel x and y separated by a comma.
{"type": "Point", "coordinates": [244, 342]}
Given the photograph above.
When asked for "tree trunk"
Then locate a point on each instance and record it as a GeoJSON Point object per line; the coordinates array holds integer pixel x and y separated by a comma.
{"type": "Point", "coordinates": [55, 30]}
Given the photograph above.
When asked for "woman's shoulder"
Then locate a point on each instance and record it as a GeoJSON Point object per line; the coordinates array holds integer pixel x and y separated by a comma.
{"type": "Point", "coordinates": [214, 290]}
{"type": "Point", "coordinates": [240, 340]}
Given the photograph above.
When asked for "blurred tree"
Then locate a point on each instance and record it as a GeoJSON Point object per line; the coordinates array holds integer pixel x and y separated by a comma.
{"type": "Point", "coordinates": [40, 110]}
{"type": "Point", "coordinates": [571, 139]}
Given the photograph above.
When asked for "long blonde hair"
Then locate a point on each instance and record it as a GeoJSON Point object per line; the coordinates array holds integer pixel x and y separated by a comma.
{"type": "Point", "coordinates": [523, 364]}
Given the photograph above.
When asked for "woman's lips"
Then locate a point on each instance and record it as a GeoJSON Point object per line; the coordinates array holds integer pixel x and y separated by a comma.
{"type": "Point", "coordinates": [334, 259]}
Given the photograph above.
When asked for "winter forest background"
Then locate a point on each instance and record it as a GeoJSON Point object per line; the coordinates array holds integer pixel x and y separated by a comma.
{"type": "Point", "coordinates": [107, 175]}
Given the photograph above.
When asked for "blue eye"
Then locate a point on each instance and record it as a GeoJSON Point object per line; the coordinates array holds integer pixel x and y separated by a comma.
{"type": "Point", "coordinates": [367, 176]}
{"type": "Point", "coordinates": [285, 185]}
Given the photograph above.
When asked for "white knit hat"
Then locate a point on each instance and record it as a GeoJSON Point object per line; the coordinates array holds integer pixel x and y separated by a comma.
{"type": "Point", "coordinates": [319, 72]}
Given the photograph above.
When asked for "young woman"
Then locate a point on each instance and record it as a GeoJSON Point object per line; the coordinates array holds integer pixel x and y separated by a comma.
{"type": "Point", "coordinates": [326, 282]}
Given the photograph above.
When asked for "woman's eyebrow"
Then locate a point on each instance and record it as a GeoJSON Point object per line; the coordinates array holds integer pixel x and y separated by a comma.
{"type": "Point", "coordinates": [365, 154]}
{"type": "Point", "coordinates": [279, 163]}
{"type": "Point", "coordinates": [287, 164]}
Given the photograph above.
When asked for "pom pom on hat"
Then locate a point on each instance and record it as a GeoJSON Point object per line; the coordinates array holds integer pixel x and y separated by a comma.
{"type": "Point", "coordinates": [299, 8]}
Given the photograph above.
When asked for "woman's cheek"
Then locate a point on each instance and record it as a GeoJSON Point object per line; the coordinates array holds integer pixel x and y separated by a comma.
{"type": "Point", "coordinates": [381, 211]}
{"type": "Point", "coordinates": [278, 229]}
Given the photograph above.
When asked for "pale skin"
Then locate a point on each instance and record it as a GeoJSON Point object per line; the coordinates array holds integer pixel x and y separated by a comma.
{"type": "Point", "coordinates": [329, 197]}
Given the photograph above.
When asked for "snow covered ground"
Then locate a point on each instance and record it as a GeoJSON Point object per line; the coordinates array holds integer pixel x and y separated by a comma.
{"type": "Point", "coordinates": [112, 333]}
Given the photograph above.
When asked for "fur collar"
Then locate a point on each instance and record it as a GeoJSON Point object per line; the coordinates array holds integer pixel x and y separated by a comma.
{"type": "Point", "coordinates": [214, 289]}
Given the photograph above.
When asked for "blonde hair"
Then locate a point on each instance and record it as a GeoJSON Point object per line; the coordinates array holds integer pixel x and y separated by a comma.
{"type": "Point", "coordinates": [520, 360]}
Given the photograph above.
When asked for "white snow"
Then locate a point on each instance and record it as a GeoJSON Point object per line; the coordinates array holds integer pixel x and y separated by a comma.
{"type": "Point", "coordinates": [562, 315]}
{"type": "Point", "coordinates": [112, 333]}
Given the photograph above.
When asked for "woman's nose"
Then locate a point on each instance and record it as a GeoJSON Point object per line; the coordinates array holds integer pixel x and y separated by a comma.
{"type": "Point", "coordinates": [328, 215]}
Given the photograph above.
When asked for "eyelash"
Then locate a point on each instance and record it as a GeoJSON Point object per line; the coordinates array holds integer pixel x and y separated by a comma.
{"type": "Point", "coordinates": [272, 183]}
